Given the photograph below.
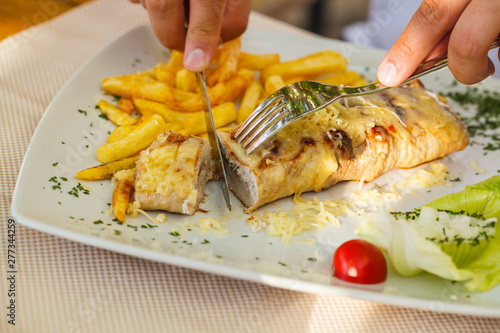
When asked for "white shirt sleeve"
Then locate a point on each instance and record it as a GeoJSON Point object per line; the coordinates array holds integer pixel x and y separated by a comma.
{"type": "Point", "coordinates": [386, 21]}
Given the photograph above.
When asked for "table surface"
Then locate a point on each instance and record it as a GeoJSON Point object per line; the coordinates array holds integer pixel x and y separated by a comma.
{"type": "Point", "coordinates": [17, 15]}
{"type": "Point", "coordinates": [64, 286]}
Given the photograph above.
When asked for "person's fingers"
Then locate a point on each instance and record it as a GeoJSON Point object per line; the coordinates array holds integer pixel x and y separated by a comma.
{"type": "Point", "coordinates": [471, 39]}
{"type": "Point", "coordinates": [167, 22]}
{"type": "Point", "coordinates": [428, 26]}
{"type": "Point", "coordinates": [205, 20]}
{"type": "Point", "coordinates": [235, 18]}
{"type": "Point", "coordinates": [440, 48]}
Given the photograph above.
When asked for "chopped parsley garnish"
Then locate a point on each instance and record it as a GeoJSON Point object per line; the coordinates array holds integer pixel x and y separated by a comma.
{"type": "Point", "coordinates": [98, 222]}
{"type": "Point", "coordinates": [55, 164]}
{"type": "Point", "coordinates": [206, 241]}
{"type": "Point", "coordinates": [82, 112]}
{"type": "Point", "coordinates": [103, 116]}
{"type": "Point", "coordinates": [77, 189]}
{"type": "Point", "coordinates": [175, 233]}
{"type": "Point", "coordinates": [485, 121]}
{"type": "Point", "coordinates": [312, 259]}
{"type": "Point", "coordinates": [118, 232]}
{"type": "Point", "coordinates": [282, 263]}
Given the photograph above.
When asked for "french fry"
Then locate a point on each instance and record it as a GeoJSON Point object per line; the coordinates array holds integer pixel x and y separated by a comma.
{"type": "Point", "coordinates": [226, 128]}
{"type": "Point", "coordinates": [228, 62]}
{"type": "Point", "coordinates": [168, 114]}
{"type": "Point", "coordinates": [186, 80]}
{"type": "Point", "coordinates": [164, 75]}
{"type": "Point", "coordinates": [320, 63]}
{"type": "Point", "coordinates": [182, 95]}
{"type": "Point", "coordinates": [115, 115]}
{"type": "Point", "coordinates": [227, 91]}
{"type": "Point", "coordinates": [139, 86]}
{"type": "Point", "coordinates": [175, 126]}
{"type": "Point", "coordinates": [223, 114]}
{"type": "Point", "coordinates": [148, 73]}
{"type": "Point", "coordinates": [344, 78]}
{"type": "Point", "coordinates": [236, 86]}
{"type": "Point", "coordinates": [126, 105]}
{"type": "Point", "coordinates": [121, 198]}
{"type": "Point", "coordinates": [295, 79]}
{"type": "Point", "coordinates": [257, 62]}
{"type": "Point", "coordinates": [176, 61]}
{"type": "Point", "coordinates": [193, 103]}
{"type": "Point", "coordinates": [120, 132]}
{"type": "Point", "coordinates": [358, 83]}
{"type": "Point", "coordinates": [107, 170]}
{"type": "Point", "coordinates": [249, 101]}
{"type": "Point", "coordinates": [137, 140]}
{"type": "Point", "coordinates": [273, 83]}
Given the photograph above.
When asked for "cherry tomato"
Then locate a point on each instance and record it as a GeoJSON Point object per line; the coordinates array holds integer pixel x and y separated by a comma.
{"type": "Point", "coordinates": [359, 261]}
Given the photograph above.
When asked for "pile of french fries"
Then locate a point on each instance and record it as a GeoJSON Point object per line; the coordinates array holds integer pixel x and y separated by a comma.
{"type": "Point", "coordinates": [166, 97]}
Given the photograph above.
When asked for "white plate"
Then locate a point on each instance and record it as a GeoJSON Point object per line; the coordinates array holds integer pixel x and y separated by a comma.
{"type": "Point", "coordinates": [66, 140]}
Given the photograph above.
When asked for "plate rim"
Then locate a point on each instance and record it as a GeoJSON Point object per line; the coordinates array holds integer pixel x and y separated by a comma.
{"type": "Point", "coordinates": [214, 268]}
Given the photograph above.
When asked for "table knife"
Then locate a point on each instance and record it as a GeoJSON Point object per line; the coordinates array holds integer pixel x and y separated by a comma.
{"type": "Point", "coordinates": [213, 138]}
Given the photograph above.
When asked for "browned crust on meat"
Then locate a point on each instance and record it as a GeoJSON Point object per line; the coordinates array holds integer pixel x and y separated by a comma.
{"type": "Point", "coordinates": [386, 147]}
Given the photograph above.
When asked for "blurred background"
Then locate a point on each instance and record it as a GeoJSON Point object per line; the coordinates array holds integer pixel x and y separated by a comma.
{"type": "Point", "coordinates": [325, 17]}
{"type": "Point", "coordinates": [372, 23]}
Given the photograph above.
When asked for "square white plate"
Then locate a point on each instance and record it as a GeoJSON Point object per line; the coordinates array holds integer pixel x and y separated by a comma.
{"type": "Point", "coordinates": [71, 129]}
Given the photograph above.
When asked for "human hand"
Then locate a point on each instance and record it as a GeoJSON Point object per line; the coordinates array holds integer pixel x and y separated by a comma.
{"type": "Point", "coordinates": [210, 22]}
{"type": "Point", "coordinates": [463, 28]}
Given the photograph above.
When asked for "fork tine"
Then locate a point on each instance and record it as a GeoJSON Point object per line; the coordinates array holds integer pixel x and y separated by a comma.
{"type": "Point", "coordinates": [261, 113]}
{"type": "Point", "coordinates": [264, 128]}
{"type": "Point", "coordinates": [264, 136]}
{"type": "Point", "coordinates": [271, 100]}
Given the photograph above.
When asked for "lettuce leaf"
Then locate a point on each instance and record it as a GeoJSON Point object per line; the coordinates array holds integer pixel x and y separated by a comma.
{"type": "Point", "coordinates": [483, 198]}
{"type": "Point", "coordinates": [410, 253]}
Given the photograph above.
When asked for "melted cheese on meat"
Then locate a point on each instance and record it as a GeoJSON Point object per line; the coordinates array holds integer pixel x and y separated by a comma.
{"type": "Point", "coordinates": [356, 138]}
{"type": "Point", "coordinates": [170, 169]}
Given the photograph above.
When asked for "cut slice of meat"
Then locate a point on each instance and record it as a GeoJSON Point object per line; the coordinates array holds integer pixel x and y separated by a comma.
{"type": "Point", "coordinates": [172, 173]}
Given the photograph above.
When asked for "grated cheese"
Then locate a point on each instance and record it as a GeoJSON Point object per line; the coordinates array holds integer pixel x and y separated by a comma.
{"type": "Point", "coordinates": [473, 165]}
{"type": "Point", "coordinates": [169, 169]}
{"type": "Point", "coordinates": [437, 175]}
{"type": "Point", "coordinates": [124, 174]}
{"type": "Point", "coordinates": [134, 209]}
{"type": "Point", "coordinates": [208, 223]}
{"type": "Point", "coordinates": [371, 198]}
{"type": "Point", "coordinates": [304, 215]}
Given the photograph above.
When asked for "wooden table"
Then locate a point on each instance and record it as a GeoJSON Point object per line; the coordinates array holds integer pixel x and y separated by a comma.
{"type": "Point", "coordinates": [17, 15]}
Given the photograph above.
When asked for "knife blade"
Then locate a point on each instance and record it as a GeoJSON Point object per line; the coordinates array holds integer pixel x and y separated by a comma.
{"type": "Point", "coordinates": [213, 138]}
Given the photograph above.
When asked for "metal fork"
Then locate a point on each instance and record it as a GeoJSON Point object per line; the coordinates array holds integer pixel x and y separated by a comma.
{"type": "Point", "coordinates": [298, 99]}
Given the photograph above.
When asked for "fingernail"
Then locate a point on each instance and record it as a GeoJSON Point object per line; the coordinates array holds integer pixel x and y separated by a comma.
{"type": "Point", "coordinates": [388, 74]}
{"type": "Point", "coordinates": [196, 60]}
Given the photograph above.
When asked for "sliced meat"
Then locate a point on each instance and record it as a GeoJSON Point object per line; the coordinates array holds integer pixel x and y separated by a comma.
{"type": "Point", "coordinates": [172, 173]}
{"type": "Point", "coordinates": [356, 138]}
